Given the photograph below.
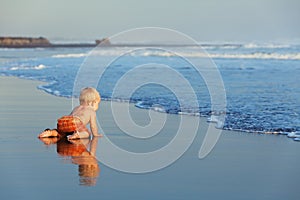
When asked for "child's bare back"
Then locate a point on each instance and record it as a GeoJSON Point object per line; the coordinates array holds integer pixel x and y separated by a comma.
{"type": "Point", "coordinates": [84, 113]}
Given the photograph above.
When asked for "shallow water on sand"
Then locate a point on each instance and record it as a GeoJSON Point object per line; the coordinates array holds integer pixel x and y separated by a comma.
{"type": "Point", "coordinates": [241, 166]}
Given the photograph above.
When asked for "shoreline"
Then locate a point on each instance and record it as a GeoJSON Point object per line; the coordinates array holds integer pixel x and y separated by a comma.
{"type": "Point", "coordinates": [290, 135]}
{"type": "Point", "coordinates": [42, 42]}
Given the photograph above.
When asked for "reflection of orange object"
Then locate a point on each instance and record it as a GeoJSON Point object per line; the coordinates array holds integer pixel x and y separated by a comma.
{"type": "Point", "coordinates": [88, 167]}
{"type": "Point", "coordinates": [77, 150]}
{"type": "Point", "coordinates": [68, 124]}
{"type": "Point", "coordinates": [68, 149]}
{"type": "Point", "coordinates": [88, 174]}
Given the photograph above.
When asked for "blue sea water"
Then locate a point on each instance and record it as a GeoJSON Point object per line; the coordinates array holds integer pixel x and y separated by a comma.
{"type": "Point", "coordinates": [261, 80]}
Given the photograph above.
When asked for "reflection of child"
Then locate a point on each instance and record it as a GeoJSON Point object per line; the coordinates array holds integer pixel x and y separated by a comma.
{"type": "Point", "coordinates": [74, 125]}
{"type": "Point", "coordinates": [88, 167]}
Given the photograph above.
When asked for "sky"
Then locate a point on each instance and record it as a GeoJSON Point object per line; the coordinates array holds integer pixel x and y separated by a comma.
{"type": "Point", "coordinates": [203, 20]}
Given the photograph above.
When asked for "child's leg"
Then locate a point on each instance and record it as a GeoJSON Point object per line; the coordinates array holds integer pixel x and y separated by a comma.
{"type": "Point", "coordinates": [79, 135]}
{"type": "Point", "coordinates": [49, 133]}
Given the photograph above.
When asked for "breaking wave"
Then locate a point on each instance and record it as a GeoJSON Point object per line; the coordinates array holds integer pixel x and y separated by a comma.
{"type": "Point", "coordinates": [37, 67]}
{"type": "Point", "coordinates": [151, 53]}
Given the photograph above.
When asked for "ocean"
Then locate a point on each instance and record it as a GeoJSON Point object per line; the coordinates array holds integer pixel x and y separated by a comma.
{"type": "Point", "coordinates": [261, 81]}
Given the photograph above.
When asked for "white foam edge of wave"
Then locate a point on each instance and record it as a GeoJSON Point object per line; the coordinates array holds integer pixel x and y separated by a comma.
{"type": "Point", "coordinates": [50, 91]}
{"type": "Point", "coordinates": [155, 107]}
{"type": "Point", "coordinates": [294, 134]}
{"type": "Point", "coordinates": [71, 55]}
{"type": "Point", "coordinates": [37, 67]}
{"type": "Point", "coordinates": [149, 53]}
{"type": "Point", "coordinates": [257, 55]}
{"type": "Point", "coordinates": [265, 46]}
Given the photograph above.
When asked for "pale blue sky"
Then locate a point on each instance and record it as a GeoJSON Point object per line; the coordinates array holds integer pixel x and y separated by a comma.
{"type": "Point", "coordinates": [203, 20]}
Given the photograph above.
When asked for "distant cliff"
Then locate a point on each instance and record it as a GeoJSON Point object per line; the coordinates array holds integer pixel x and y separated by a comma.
{"type": "Point", "coordinates": [15, 42]}
{"type": "Point", "coordinates": [30, 42]}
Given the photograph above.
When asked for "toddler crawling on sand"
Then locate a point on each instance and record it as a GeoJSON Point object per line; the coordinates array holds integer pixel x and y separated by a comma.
{"type": "Point", "coordinates": [74, 125]}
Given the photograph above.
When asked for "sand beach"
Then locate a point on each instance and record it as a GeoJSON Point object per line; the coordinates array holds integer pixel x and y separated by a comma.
{"type": "Point", "coordinates": [241, 165]}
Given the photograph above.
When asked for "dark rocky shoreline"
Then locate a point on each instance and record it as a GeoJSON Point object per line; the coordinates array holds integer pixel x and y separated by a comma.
{"type": "Point", "coordinates": [41, 42]}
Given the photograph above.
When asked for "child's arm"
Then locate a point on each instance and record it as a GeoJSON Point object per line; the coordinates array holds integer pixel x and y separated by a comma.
{"type": "Point", "coordinates": [94, 144]}
{"type": "Point", "coordinates": [93, 125]}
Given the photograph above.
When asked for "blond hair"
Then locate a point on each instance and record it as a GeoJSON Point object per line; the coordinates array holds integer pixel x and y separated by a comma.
{"type": "Point", "coordinates": [89, 95]}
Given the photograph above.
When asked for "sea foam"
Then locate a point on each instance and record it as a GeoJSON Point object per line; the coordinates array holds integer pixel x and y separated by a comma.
{"type": "Point", "coordinates": [37, 67]}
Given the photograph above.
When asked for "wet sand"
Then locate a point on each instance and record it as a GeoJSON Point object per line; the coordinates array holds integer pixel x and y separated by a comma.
{"type": "Point", "coordinates": [241, 166]}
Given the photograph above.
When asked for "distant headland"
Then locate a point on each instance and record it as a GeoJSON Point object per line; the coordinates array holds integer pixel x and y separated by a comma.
{"type": "Point", "coordinates": [32, 42]}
